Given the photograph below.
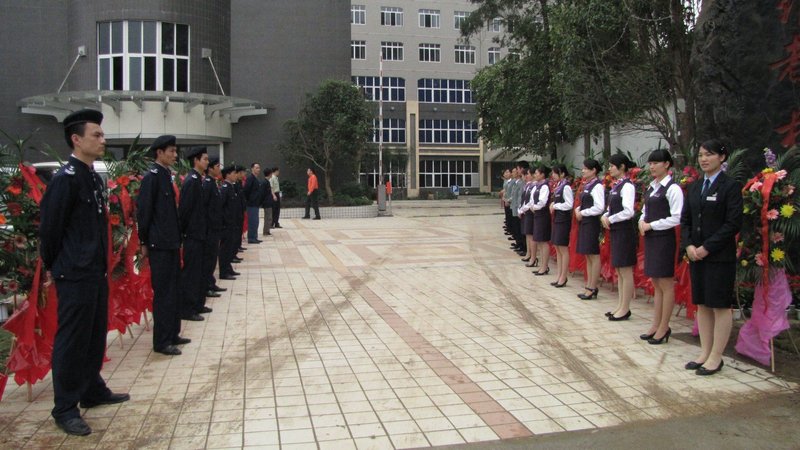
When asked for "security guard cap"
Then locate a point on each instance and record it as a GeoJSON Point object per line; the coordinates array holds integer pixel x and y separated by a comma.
{"type": "Point", "coordinates": [161, 143]}
{"type": "Point", "coordinates": [194, 152]}
{"type": "Point", "coordinates": [83, 116]}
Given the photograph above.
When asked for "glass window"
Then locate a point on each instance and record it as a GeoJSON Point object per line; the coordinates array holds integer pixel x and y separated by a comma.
{"type": "Point", "coordinates": [494, 25]}
{"type": "Point", "coordinates": [434, 90]}
{"type": "Point", "coordinates": [458, 19]}
{"type": "Point", "coordinates": [429, 18]}
{"type": "Point", "coordinates": [394, 88]}
{"type": "Point", "coordinates": [443, 173]}
{"type": "Point", "coordinates": [392, 51]}
{"type": "Point", "coordinates": [131, 54]}
{"type": "Point", "coordinates": [494, 55]}
{"type": "Point", "coordinates": [358, 49]}
{"type": "Point", "coordinates": [465, 54]}
{"type": "Point", "coordinates": [448, 131]}
{"type": "Point", "coordinates": [394, 131]}
{"type": "Point", "coordinates": [391, 16]}
{"type": "Point", "coordinates": [358, 14]}
{"type": "Point", "coordinates": [430, 52]}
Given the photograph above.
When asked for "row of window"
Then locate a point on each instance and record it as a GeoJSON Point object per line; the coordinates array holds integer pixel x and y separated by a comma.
{"type": "Point", "coordinates": [392, 16]}
{"type": "Point", "coordinates": [393, 51]}
{"type": "Point", "coordinates": [436, 173]}
{"type": "Point", "coordinates": [431, 131]}
{"type": "Point", "coordinates": [142, 55]}
{"type": "Point", "coordinates": [429, 90]}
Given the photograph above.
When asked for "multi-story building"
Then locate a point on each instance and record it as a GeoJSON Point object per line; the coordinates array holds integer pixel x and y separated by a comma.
{"type": "Point", "coordinates": [428, 107]}
{"type": "Point", "coordinates": [222, 73]}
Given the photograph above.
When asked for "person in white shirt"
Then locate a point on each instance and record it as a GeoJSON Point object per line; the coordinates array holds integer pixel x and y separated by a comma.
{"type": "Point", "coordinates": [540, 205]}
{"type": "Point", "coordinates": [593, 203]}
{"type": "Point", "coordinates": [661, 213]}
{"type": "Point", "coordinates": [526, 217]}
{"type": "Point", "coordinates": [618, 219]}
{"type": "Point", "coordinates": [561, 210]}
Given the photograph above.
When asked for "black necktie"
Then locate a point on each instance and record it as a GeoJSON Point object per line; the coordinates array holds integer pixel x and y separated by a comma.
{"type": "Point", "coordinates": [706, 185]}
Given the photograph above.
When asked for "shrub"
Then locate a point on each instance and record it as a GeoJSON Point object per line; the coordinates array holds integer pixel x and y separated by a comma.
{"type": "Point", "coordinates": [289, 189]}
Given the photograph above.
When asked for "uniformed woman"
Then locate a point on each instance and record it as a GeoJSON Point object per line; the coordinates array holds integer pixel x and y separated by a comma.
{"type": "Point", "coordinates": [541, 218]}
{"type": "Point", "coordinates": [561, 209]}
{"type": "Point", "coordinates": [526, 216]}
{"type": "Point", "coordinates": [661, 213]}
{"type": "Point", "coordinates": [588, 217]}
{"type": "Point", "coordinates": [618, 219]}
{"type": "Point", "coordinates": [711, 217]}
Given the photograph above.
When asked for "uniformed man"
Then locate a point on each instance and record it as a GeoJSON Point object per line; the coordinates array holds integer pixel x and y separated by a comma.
{"type": "Point", "coordinates": [194, 231]}
{"type": "Point", "coordinates": [241, 173]}
{"type": "Point", "coordinates": [157, 218]}
{"type": "Point", "coordinates": [231, 233]}
{"type": "Point", "coordinates": [213, 208]}
{"type": "Point", "coordinates": [73, 244]}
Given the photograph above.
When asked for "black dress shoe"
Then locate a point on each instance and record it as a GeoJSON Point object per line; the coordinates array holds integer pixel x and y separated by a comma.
{"type": "Point", "coordinates": [227, 277]}
{"type": "Point", "coordinates": [691, 365]}
{"type": "Point", "coordinates": [75, 426]}
{"type": "Point", "coordinates": [304, 217]}
{"type": "Point", "coordinates": [317, 218]}
{"type": "Point", "coordinates": [194, 318]}
{"type": "Point", "coordinates": [216, 288]}
{"type": "Point", "coordinates": [109, 400]}
{"type": "Point", "coordinates": [539, 274]}
{"type": "Point", "coordinates": [237, 260]}
{"type": "Point", "coordinates": [614, 318]}
{"type": "Point", "coordinates": [646, 337]}
{"type": "Point", "coordinates": [241, 249]}
{"type": "Point", "coordinates": [277, 225]}
{"type": "Point", "coordinates": [235, 273]}
{"type": "Point", "coordinates": [212, 294]}
{"type": "Point", "coordinates": [181, 341]}
{"type": "Point", "coordinates": [702, 371]}
{"type": "Point", "coordinates": [205, 309]}
{"type": "Point", "coordinates": [170, 350]}
{"type": "Point", "coordinates": [254, 242]}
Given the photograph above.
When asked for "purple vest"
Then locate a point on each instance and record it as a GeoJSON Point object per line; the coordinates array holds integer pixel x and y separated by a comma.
{"type": "Point", "coordinates": [657, 206]}
{"type": "Point", "coordinates": [545, 211]}
{"type": "Point", "coordinates": [558, 197]}
{"type": "Point", "coordinates": [586, 196]}
{"type": "Point", "coordinates": [615, 203]}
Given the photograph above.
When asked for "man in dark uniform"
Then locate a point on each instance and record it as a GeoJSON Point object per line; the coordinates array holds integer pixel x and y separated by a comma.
{"type": "Point", "coordinates": [157, 219]}
{"type": "Point", "coordinates": [253, 196]}
{"type": "Point", "coordinates": [194, 231]}
{"type": "Point", "coordinates": [213, 208]}
{"type": "Point", "coordinates": [240, 176]}
{"type": "Point", "coordinates": [267, 201]}
{"type": "Point", "coordinates": [73, 244]}
{"type": "Point", "coordinates": [231, 234]}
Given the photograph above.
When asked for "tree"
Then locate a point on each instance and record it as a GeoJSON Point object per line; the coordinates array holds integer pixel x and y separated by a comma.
{"type": "Point", "coordinates": [330, 131]}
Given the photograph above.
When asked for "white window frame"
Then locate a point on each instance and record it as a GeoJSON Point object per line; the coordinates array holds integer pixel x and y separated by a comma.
{"type": "Point", "coordinates": [442, 172]}
{"type": "Point", "coordinates": [495, 25]}
{"type": "Point", "coordinates": [358, 14]}
{"type": "Point", "coordinates": [493, 56]}
{"type": "Point", "coordinates": [394, 88]}
{"type": "Point", "coordinates": [429, 18]}
{"type": "Point", "coordinates": [358, 48]}
{"type": "Point", "coordinates": [394, 128]}
{"type": "Point", "coordinates": [391, 16]}
{"type": "Point", "coordinates": [442, 90]}
{"type": "Point", "coordinates": [430, 52]}
{"type": "Point", "coordinates": [448, 131]}
{"type": "Point", "coordinates": [128, 55]}
{"type": "Point", "coordinates": [391, 51]}
{"type": "Point", "coordinates": [458, 19]}
{"type": "Point", "coordinates": [465, 54]}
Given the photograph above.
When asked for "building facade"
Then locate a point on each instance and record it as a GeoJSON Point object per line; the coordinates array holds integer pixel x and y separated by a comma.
{"type": "Point", "coordinates": [409, 55]}
{"type": "Point", "coordinates": [225, 74]}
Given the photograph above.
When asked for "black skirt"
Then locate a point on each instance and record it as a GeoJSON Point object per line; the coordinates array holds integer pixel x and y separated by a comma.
{"type": "Point", "coordinates": [713, 283]}
{"type": "Point", "coordinates": [660, 250]}
{"type": "Point", "coordinates": [623, 244]}
{"type": "Point", "coordinates": [527, 223]}
{"type": "Point", "coordinates": [541, 226]}
{"type": "Point", "coordinates": [561, 228]}
{"type": "Point", "coordinates": [589, 236]}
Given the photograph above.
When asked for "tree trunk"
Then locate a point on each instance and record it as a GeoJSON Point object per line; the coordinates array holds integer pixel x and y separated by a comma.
{"type": "Point", "coordinates": [328, 190]}
{"type": "Point", "coordinates": [587, 143]}
{"type": "Point", "coordinates": [606, 143]}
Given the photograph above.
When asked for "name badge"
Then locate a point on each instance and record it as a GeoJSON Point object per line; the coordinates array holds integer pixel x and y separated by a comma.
{"type": "Point", "coordinates": [711, 198]}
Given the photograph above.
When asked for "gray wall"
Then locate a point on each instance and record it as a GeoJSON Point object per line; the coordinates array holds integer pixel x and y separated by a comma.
{"type": "Point", "coordinates": [33, 60]}
{"type": "Point", "coordinates": [280, 51]}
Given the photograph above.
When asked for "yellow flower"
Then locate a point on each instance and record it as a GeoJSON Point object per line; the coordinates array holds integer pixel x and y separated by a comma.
{"type": "Point", "coordinates": [787, 211]}
{"type": "Point", "coordinates": [744, 263]}
{"type": "Point", "coordinates": [777, 255]}
{"type": "Point", "coordinates": [767, 170]}
{"type": "Point", "coordinates": [747, 210]}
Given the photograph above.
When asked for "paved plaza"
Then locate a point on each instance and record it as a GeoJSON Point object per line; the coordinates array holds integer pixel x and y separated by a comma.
{"type": "Point", "coordinates": [416, 330]}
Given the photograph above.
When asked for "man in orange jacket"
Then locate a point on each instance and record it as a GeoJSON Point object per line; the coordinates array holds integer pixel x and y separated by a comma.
{"type": "Point", "coordinates": [313, 195]}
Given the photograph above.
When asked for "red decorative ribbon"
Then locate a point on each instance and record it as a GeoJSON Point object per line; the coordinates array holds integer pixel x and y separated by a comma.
{"type": "Point", "coordinates": [768, 180]}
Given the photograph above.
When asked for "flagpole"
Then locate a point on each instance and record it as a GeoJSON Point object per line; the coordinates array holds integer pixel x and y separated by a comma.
{"type": "Point", "coordinates": [380, 125]}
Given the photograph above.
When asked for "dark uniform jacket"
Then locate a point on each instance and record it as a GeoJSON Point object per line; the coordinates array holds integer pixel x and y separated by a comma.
{"type": "Point", "coordinates": [74, 227]}
{"type": "Point", "coordinates": [212, 206]}
{"type": "Point", "coordinates": [230, 206]}
{"type": "Point", "coordinates": [191, 214]}
{"type": "Point", "coordinates": [252, 192]}
{"type": "Point", "coordinates": [242, 204]}
{"type": "Point", "coordinates": [266, 194]}
{"type": "Point", "coordinates": [156, 212]}
{"type": "Point", "coordinates": [713, 219]}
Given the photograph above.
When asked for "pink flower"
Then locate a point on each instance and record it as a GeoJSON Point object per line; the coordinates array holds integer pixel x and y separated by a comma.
{"type": "Point", "coordinates": [113, 199]}
{"type": "Point", "coordinates": [777, 237]}
{"type": "Point", "coordinates": [781, 174]}
{"type": "Point", "coordinates": [112, 184]}
{"type": "Point", "coordinates": [772, 214]}
{"type": "Point", "coordinates": [756, 186]}
{"type": "Point", "coordinates": [789, 189]}
{"type": "Point", "coordinates": [759, 260]}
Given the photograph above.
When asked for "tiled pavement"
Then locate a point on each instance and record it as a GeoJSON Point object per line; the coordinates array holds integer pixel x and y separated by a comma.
{"type": "Point", "coordinates": [409, 331]}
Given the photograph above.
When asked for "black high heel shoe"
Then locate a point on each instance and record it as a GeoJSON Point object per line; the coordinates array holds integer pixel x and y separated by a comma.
{"type": "Point", "coordinates": [560, 285]}
{"type": "Point", "coordinates": [663, 339]}
{"type": "Point", "coordinates": [613, 318]}
{"type": "Point", "coordinates": [646, 337]}
{"type": "Point", "coordinates": [702, 371]}
{"type": "Point", "coordinates": [546, 271]}
{"type": "Point", "coordinates": [535, 263]}
{"type": "Point", "coordinates": [526, 259]}
{"type": "Point", "coordinates": [691, 365]}
{"type": "Point", "coordinates": [589, 296]}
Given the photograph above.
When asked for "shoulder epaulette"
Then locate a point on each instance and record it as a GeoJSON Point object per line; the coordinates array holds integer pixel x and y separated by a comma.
{"type": "Point", "coordinates": [69, 169]}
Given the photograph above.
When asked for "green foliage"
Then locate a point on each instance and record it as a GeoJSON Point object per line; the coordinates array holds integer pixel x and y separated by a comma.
{"type": "Point", "coordinates": [289, 189]}
{"type": "Point", "coordinates": [354, 190]}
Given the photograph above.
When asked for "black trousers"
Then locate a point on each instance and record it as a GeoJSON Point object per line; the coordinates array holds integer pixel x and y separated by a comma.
{"type": "Point", "coordinates": [165, 267]}
{"type": "Point", "coordinates": [507, 210]}
{"type": "Point", "coordinates": [267, 220]}
{"type": "Point", "coordinates": [276, 212]}
{"type": "Point", "coordinates": [312, 201]}
{"type": "Point", "coordinates": [192, 283]}
{"type": "Point", "coordinates": [210, 256]}
{"type": "Point", "coordinates": [80, 344]}
{"type": "Point", "coordinates": [516, 233]}
{"type": "Point", "coordinates": [231, 238]}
